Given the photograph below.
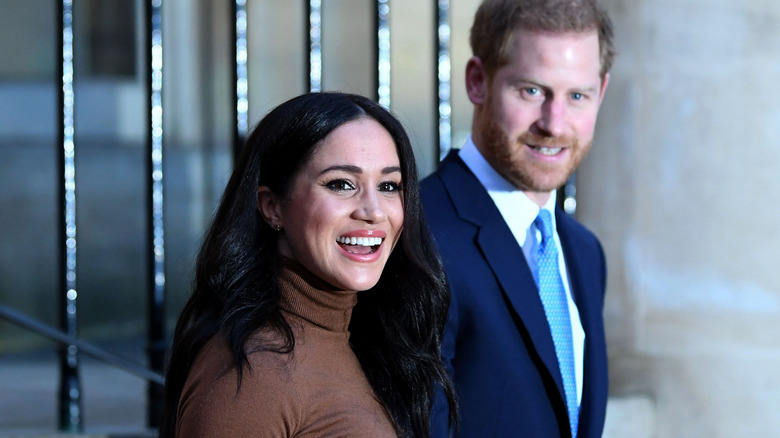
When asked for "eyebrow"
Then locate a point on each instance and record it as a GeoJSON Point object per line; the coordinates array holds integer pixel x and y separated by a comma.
{"type": "Point", "coordinates": [587, 90]}
{"type": "Point", "coordinates": [584, 89]}
{"type": "Point", "coordinates": [355, 169]}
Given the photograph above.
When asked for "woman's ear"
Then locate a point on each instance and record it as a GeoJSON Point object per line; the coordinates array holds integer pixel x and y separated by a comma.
{"type": "Point", "coordinates": [269, 206]}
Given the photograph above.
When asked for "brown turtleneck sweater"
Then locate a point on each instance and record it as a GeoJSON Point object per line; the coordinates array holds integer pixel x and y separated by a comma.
{"type": "Point", "coordinates": [317, 390]}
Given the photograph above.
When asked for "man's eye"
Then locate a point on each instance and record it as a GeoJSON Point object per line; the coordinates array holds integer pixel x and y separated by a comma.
{"type": "Point", "coordinates": [531, 91]}
{"type": "Point", "coordinates": [389, 186]}
{"type": "Point", "coordinates": [577, 96]}
{"type": "Point", "coordinates": [339, 185]}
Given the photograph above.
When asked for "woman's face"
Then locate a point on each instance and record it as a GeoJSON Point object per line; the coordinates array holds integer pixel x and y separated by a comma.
{"type": "Point", "coordinates": [344, 212]}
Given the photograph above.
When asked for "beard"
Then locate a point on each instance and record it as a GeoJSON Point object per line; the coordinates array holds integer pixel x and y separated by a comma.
{"type": "Point", "coordinates": [512, 161]}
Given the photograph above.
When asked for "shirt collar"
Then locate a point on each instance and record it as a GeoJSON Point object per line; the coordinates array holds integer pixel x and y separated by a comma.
{"type": "Point", "coordinates": [518, 210]}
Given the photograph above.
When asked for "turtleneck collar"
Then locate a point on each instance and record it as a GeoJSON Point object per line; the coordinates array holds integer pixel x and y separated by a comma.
{"type": "Point", "coordinates": [309, 297]}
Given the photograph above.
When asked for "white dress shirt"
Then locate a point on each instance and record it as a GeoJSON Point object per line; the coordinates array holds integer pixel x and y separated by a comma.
{"type": "Point", "coordinates": [519, 213]}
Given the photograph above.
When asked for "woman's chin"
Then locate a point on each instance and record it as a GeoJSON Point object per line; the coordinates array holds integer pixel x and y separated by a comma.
{"type": "Point", "coordinates": [357, 279]}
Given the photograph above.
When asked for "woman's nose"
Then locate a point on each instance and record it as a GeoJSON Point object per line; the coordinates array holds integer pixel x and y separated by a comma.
{"type": "Point", "coordinates": [370, 208]}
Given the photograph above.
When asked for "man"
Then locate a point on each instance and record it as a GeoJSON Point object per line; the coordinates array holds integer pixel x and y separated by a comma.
{"type": "Point", "coordinates": [524, 340]}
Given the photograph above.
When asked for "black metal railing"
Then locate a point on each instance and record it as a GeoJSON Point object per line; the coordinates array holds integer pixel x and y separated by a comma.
{"type": "Point", "coordinates": [240, 76]}
{"type": "Point", "coordinates": [314, 45]}
{"type": "Point", "coordinates": [443, 69]}
{"type": "Point", "coordinates": [14, 316]}
{"type": "Point", "coordinates": [156, 339]}
{"type": "Point", "coordinates": [70, 412]}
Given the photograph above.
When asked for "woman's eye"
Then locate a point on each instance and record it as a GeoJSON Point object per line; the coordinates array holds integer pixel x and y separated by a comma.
{"type": "Point", "coordinates": [339, 185]}
{"type": "Point", "coordinates": [389, 186]}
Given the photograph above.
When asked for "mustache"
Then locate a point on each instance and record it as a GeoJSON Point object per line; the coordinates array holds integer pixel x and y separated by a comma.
{"type": "Point", "coordinates": [530, 138]}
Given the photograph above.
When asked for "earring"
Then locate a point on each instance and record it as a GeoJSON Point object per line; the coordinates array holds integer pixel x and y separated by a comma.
{"type": "Point", "coordinates": [276, 227]}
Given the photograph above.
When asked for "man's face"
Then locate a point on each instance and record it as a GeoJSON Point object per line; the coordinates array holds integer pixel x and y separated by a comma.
{"type": "Point", "coordinates": [535, 122]}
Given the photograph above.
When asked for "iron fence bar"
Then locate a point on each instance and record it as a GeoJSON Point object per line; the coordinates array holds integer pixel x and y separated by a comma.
{"type": "Point", "coordinates": [443, 75]}
{"type": "Point", "coordinates": [69, 408]}
{"type": "Point", "coordinates": [567, 195]}
{"type": "Point", "coordinates": [63, 338]}
{"type": "Point", "coordinates": [240, 76]}
{"type": "Point", "coordinates": [156, 345]}
{"type": "Point", "coordinates": [382, 33]}
{"type": "Point", "coordinates": [314, 43]}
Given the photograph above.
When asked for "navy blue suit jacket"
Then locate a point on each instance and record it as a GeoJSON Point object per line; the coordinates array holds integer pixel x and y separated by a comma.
{"type": "Point", "coordinates": [497, 343]}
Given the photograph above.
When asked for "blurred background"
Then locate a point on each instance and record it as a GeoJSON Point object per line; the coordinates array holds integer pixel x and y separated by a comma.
{"type": "Point", "coordinates": [680, 186]}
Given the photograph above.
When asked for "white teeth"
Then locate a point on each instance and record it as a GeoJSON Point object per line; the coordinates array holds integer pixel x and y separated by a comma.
{"type": "Point", "coordinates": [361, 241]}
{"type": "Point", "coordinates": [548, 151]}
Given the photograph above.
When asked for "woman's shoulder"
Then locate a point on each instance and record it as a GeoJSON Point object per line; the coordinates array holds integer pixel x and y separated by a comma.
{"type": "Point", "coordinates": [312, 389]}
{"type": "Point", "coordinates": [214, 404]}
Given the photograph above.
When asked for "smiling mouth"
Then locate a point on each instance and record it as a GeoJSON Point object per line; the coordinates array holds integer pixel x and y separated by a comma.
{"type": "Point", "coordinates": [546, 151]}
{"type": "Point", "coordinates": [360, 245]}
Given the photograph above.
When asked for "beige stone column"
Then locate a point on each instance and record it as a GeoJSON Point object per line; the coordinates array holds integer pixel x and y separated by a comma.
{"type": "Point", "coordinates": [682, 188]}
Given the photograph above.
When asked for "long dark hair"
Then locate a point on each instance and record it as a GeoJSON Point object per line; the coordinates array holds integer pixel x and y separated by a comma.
{"type": "Point", "coordinates": [396, 327]}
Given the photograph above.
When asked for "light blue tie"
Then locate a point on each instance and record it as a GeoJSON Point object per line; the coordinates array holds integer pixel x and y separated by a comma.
{"type": "Point", "coordinates": [556, 307]}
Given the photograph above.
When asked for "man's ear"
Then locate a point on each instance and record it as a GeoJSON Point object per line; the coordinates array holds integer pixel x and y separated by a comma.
{"type": "Point", "coordinates": [270, 207]}
{"type": "Point", "coordinates": [476, 81]}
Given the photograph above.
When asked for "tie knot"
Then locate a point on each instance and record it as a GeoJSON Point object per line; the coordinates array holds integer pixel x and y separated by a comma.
{"type": "Point", "coordinates": [543, 223]}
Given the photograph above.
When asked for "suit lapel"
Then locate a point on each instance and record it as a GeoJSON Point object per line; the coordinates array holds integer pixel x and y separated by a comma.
{"type": "Point", "coordinates": [587, 293]}
{"type": "Point", "coordinates": [504, 256]}
{"type": "Point", "coordinates": [584, 292]}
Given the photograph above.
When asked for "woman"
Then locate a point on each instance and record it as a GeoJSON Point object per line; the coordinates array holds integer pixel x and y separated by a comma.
{"type": "Point", "coordinates": [275, 340]}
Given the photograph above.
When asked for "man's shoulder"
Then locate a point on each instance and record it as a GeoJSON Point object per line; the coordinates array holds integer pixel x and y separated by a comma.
{"type": "Point", "coordinates": [433, 188]}
{"type": "Point", "coordinates": [572, 226]}
{"type": "Point", "coordinates": [438, 206]}
{"type": "Point", "coordinates": [448, 203]}
{"type": "Point", "coordinates": [578, 240]}
{"type": "Point", "coordinates": [431, 183]}
{"type": "Point", "coordinates": [452, 175]}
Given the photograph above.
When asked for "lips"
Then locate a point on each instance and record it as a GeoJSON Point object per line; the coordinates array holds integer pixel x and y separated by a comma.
{"type": "Point", "coordinates": [547, 146]}
{"type": "Point", "coordinates": [361, 241]}
{"type": "Point", "coordinates": [360, 245]}
{"type": "Point", "coordinates": [546, 150]}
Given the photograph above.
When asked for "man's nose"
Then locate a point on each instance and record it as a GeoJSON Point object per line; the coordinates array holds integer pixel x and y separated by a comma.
{"type": "Point", "coordinates": [553, 117]}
